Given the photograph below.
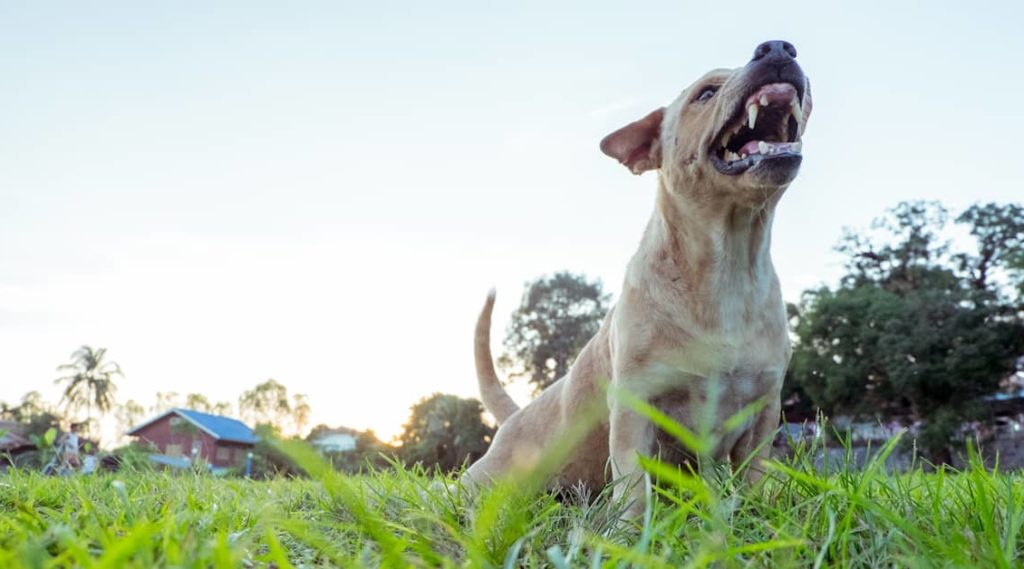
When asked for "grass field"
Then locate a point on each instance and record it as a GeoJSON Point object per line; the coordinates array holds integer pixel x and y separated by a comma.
{"type": "Point", "coordinates": [798, 517]}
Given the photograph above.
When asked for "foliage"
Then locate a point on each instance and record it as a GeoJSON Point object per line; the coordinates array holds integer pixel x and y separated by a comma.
{"type": "Point", "coordinates": [445, 431]}
{"type": "Point", "coordinates": [198, 402]}
{"type": "Point", "coordinates": [36, 416]}
{"type": "Point", "coordinates": [556, 318]}
{"type": "Point", "coordinates": [799, 516]}
{"type": "Point", "coordinates": [268, 404]}
{"type": "Point", "coordinates": [999, 232]}
{"type": "Point", "coordinates": [165, 401]}
{"type": "Point", "coordinates": [300, 412]}
{"type": "Point", "coordinates": [268, 460]}
{"type": "Point", "coordinates": [128, 415]}
{"type": "Point", "coordinates": [913, 332]}
{"type": "Point", "coordinates": [89, 380]}
{"type": "Point", "coordinates": [369, 452]}
{"type": "Point", "coordinates": [130, 458]}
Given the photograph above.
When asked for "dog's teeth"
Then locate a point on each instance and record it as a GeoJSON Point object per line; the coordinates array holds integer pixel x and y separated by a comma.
{"type": "Point", "coordinates": [798, 112]}
{"type": "Point", "coordinates": [725, 139]}
{"type": "Point", "coordinates": [797, 146]}
{"type": "Point", "coordinates": [763, 100]}
{"type": "Point", "coordinates": [752, 115]}
{"type": "Point", "coordinates": [762, 147]}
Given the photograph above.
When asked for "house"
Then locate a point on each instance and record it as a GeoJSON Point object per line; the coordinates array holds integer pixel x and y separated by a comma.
{"type": "Point", "coordinates": [13, 441]}
{"type": "Point", "coordinates": [183, 435]}
{"type": "Point", "coordinates": [337, 441]}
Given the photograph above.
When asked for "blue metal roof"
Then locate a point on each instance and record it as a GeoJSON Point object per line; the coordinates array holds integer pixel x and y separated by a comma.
{"type": "Point", "coordinates": [222, 428]}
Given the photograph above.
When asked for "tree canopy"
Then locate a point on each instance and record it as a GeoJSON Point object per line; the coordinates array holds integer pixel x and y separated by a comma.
{"type": "Point", "coordinates": [915, 331]}
{"type": "Point", "coordinates": [89, 381]}
{"type": "Point", "coordinates": [556, 318]}
{"type": "Point", "coordinates": [445, 431]}
{"type": "Point", "coordinates": [268, 403]}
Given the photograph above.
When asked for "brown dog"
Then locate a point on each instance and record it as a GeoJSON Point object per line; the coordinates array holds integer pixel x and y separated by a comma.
{"type": "Point", "coordinates": [700, 323]}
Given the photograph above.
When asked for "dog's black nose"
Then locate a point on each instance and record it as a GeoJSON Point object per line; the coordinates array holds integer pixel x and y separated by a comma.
{"type": "Point", "coordinates": [775, 51]}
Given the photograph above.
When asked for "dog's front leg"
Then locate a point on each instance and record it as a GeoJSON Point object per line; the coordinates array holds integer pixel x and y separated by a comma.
{"type": "Point", "coordinates": [630, 435]}
{"type": "Point", "coordinates": [756, 443]}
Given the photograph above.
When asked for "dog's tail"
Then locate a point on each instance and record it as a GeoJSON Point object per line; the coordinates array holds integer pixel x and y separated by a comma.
{"type": "Point", "coordinates": [494, 396]}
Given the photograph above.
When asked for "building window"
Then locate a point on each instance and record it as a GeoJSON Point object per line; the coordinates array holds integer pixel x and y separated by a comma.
{"type": "Point", "coordinates": [173, 450]}
{"type": "Point", "coordinates": [223, 454]}
{"type": "Point", "coordinates": [175, 421]}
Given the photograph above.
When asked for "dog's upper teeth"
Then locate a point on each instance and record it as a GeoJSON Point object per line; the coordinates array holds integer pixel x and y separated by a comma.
{"type": "Point", "coordinates": [762, 147]}
{"type": "Point", "coordinates": [725, 139]}
{"type": "Point", "coordinates": [763, 100]}
{"type": "Point", "coordinates": [752, 115]}
{"type": "Point", "coordinates": [798, 112]}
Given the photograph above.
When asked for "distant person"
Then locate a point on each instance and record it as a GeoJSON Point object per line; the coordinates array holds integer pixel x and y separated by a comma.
{"type": "Point", "coordinates": [68, 448]}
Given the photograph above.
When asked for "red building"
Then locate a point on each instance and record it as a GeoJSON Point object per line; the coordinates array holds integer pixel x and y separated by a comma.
{"type": "Point", "coordinates": [182, 436]}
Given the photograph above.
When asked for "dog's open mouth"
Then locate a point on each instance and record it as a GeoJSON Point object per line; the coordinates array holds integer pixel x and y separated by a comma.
{"type": "Point", "coordinates": [766, 127]}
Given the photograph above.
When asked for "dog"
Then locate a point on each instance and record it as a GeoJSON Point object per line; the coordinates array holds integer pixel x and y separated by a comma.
{"type": "Point", "coordinates": [700, 323]}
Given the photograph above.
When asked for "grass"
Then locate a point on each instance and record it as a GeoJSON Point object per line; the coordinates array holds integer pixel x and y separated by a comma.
{"type": "Point", "coordinates": [797, 517]}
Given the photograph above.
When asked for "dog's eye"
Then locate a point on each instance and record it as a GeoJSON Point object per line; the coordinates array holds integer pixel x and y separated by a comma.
{"type": "Point", "coordinates": [707, 93]}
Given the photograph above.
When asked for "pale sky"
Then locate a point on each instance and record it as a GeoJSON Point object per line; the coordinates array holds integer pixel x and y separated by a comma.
{"type": "Point", "coordinates": [323, 192]}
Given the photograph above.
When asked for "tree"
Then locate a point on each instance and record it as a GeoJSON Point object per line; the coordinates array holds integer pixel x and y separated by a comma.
{"type": "Point", "coordinates": [222, 408]}
{"type": "Point", "coordinates": [165, 401]}
{"type": "Point", "coordinates": [556, 318]}
{"type": "Point", "coordinates": [369, 451]}
{"type": "Point", "coordinates": [300, 412]}
{"type": "Point", "coordinates": [911, 332]}
{"type": "Point", "coordinates": [37, 415]}
{"type": "Point", "coordinates": [445, 431]}
{"type": "Point", "coordinates": [198, 402]}
{"type": "Point", "coordinates": [268, 404]}
{"type": "Point", "coordinates": [128, 415]}
{"type": "Point", "coordinates": [89, 381]}
{"type": "Point", "coordinates": [268, 460]}
{"type": "Point", "coordinates": [999, 232]}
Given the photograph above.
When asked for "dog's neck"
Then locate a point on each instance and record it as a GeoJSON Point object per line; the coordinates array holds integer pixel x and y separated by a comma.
{"type": "Point", "coordinates": [716, 254]}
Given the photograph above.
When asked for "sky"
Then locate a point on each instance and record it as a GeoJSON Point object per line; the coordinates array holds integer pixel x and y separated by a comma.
{"type": "Point", "coordinates": [323, 192]}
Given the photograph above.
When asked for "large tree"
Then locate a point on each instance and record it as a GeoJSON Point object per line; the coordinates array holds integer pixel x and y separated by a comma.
{"type": "Point", "coordinates": [999, 232]}
{"type": "Point", "coordinates": [37, 415]}
{"type": "Point", "coordinates": [198, 402]}
{"type": "Point", "coordinates": [268, 403]}
{"type": "Point", "coordinates": [557, 317]}
{"type": "Point", "coordinates": [89, 381]}
{"type": "Point", "coordinates": [913, 331]}
{"type": "Point", "coordinates": [128, 415]}
{"type": "Point", "coordinates": [165, 401]}
{"type": "Point", "coordinates": [445, 431]}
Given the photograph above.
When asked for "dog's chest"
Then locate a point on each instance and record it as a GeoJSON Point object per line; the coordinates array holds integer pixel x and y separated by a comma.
{"type": "Point", "coordinates": [720, 407]}
{"type": "Point", "coordinates": [721, 395]}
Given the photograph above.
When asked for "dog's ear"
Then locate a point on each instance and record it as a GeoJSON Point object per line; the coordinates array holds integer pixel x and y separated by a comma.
{"type": "Point", "coordinates": [637, 145]}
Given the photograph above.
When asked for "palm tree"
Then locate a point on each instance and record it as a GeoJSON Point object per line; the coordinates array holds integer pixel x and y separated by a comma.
{"type": "Point", "coordinates": [89, 381]}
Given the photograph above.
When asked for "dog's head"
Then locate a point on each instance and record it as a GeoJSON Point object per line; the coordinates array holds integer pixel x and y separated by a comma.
{"type": "Point", "coordinates": [730, 132]}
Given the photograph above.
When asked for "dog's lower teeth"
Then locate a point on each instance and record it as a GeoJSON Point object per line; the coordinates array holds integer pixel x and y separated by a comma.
{"type": "Point", "coordinates": [762, 147]}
